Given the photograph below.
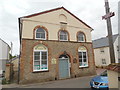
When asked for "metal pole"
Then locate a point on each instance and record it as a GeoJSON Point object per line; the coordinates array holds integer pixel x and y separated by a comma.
{"type": "Point", "coordinates": [109, 27]}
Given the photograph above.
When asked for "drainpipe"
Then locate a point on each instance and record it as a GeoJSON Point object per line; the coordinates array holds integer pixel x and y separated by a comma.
{"type": "Point", "coordinates": [20, 35]}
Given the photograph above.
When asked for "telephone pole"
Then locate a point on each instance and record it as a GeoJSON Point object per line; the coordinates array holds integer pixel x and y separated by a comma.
{"type": "Point", "coordinates": [109, 28]}
{"type": "Point", "coordinates": [119, 32]}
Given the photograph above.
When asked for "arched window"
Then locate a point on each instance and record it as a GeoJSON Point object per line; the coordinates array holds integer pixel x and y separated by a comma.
{"type": "Point", "coordinates": [83, 58]}
{"type": "Point", "coordinates": [40, 34]}
{"type": "Point", "coordinates": [81, 37]}
{"type": "Point", "coordinates": [40, 62]}
{"type": "Point", "coordinates": [63, 36]}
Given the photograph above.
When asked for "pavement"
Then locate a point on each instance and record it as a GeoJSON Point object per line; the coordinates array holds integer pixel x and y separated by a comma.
{"type": "Point", "coordinates": [80, 82]}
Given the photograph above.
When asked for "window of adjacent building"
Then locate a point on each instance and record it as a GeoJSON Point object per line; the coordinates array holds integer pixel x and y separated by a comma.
{"type": "Point", "coordinates": [83, 59]}
{"type": "Point", "coordinates": [103, 61]}
{"type": "Point", "coordinates": [102, 50]}
{"type": "Point", "coordinates": [81, 37]}
{"type": "Point", "coordinates": [40, 34]}
{"type": "Point", "coordinates": [118, 60]}
{"type": "Point", "coordinates": [63, 36]}
{"type": "Point", "coordinates": [40, 58]}
{"type": "Point", "coordinates": [118, 48]}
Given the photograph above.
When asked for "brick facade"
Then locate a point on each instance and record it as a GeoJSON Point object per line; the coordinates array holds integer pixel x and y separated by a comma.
{"type": "Point", "coordinates": [55, 49]}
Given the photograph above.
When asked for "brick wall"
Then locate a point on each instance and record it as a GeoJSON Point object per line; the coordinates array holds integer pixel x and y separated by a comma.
{"type": "Point", "coordinates": [55, 49]}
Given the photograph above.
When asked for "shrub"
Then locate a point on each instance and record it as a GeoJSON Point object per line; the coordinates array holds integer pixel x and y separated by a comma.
{"type": "Point", "coordinates": [4, 81]}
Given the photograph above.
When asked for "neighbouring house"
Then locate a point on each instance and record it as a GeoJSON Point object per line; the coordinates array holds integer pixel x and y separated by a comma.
{"type": "Point", "coordinates": [55, 44]}
{"type": "Point", "coordinates": [15, 63]}
{"type": "Point", "coordinates": [12, 69]}
{"type": "Point", "coordinates": [4, 55]}
{"type": "Point", "coordinates": [101, 51]}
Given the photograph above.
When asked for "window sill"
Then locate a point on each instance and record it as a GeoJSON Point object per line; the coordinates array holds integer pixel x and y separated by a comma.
{"type": "Point", "coordinates": [40, 39]}
{"type": "Point", "coordinates": [40, 71]}
{"type": "Point", "coordinates": [81, 67]}
{"type": "Point", "coordinates": [63, 40]}
{"type": "Point", "coordinates": [81, 41]}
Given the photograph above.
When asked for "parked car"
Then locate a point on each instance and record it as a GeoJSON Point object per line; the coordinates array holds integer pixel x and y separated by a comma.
{"type": "Point", "coordinates": [100, 81]}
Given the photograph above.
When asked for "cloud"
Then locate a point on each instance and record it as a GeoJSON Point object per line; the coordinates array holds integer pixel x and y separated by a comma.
{"type": "Point", "coordinates": [90, 11]}
{"type": "Point", "coordinates": [15, 6]}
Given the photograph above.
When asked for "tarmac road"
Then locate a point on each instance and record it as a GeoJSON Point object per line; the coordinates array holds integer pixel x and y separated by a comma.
{"type": "Point", "coordinates": [81, 82]}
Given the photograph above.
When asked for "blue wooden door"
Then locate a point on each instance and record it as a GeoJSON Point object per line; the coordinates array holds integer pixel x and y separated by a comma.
{"type": "Point", "coordinates": [63, 68]}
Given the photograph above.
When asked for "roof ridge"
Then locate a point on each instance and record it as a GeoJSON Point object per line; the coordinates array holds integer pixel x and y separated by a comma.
{"type": "Point", "coordinates": [45, 11]}
{"type": "Point", "coordinates": [105, 37]}
{"type": "Point", "coordinates": [100, 38]}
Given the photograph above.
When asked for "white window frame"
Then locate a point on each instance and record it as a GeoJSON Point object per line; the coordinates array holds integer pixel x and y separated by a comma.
{"type": "Point", "coordinates": [40, 60]}
{"type": "Point", "coordinates": [83, 58]}
{"type": "Point", "coordinates": [118, 48]}
{"type": "Point", "coordinates": [40, 38]}
{"type": "Point", "coordinates": [102, 50]}
{"type": "Point", "coordinates": [104, 62]}
{"type": "Point", "coordinates": [59, 35]}
{"type": "Point", "coordinates": [83, 37]}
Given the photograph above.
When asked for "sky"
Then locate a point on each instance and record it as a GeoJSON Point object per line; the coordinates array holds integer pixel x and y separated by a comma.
{"type": "Point", "coordinates": [89, 11]}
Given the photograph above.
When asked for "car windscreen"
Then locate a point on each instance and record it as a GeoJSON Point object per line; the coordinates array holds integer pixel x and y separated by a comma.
{"type": "Point", "coordinates": [104, 73]}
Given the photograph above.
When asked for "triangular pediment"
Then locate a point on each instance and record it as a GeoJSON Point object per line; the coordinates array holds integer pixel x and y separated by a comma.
{"type": "Point", "coordinates": [57, 15]}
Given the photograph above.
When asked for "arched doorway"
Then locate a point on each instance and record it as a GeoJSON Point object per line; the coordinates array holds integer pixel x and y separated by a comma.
{"type": "Point", "coordinates": [64, 69]}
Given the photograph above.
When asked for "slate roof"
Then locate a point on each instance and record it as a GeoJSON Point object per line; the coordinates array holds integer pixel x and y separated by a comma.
{"type": "Point", "coordinates": [103, 42]}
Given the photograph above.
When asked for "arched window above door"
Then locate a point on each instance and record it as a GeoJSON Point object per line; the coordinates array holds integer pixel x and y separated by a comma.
{"type": "Point", "coordinates": [63, 56]}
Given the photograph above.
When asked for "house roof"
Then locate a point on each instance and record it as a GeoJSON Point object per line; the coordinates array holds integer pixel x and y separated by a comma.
{"type": "Point", "coordinates": [32, 15]}
{"type": "Point", "coordinates": [15, 58]}
{"type": "Point", "coordinates": [5, 43]}
{"type": "Point", "coordinates": [103, 42]}
{"type": "Point", "coordinates": [114, 67]}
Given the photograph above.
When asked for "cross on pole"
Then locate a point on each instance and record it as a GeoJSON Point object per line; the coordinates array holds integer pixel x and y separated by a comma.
{"type": "Point", "coordinates": [109, 28]}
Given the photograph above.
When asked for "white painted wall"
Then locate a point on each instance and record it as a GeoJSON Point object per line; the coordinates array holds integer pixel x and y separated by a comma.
{"type": "Point", "coordinates": [115, 50]}
{"type": "Point", "coordinates": [106, 55]}
{"type": "Point", "coordinates": [119, 48]}
{"type": "Point", "coordinates": [52, 21]}
{"type": "Point", "coordinates": [4, 54]}
{"type": "Point", "coordinates": [119, 29]}
{"type": "Point", "coordinates": [99, 56]}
